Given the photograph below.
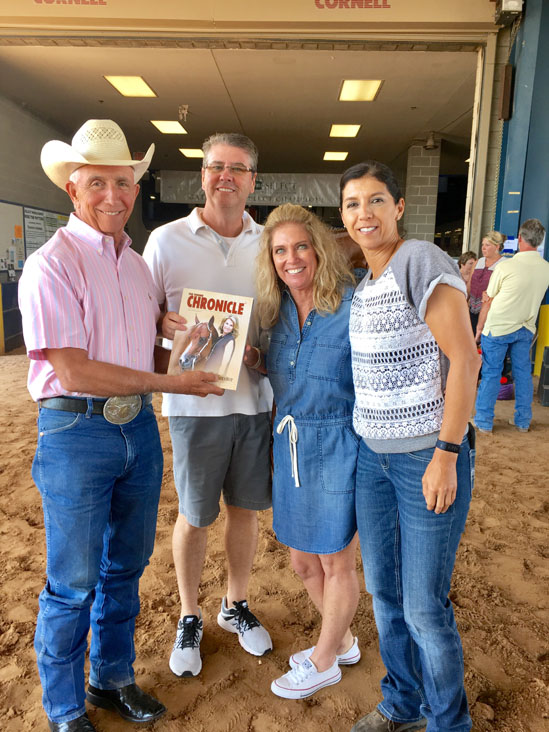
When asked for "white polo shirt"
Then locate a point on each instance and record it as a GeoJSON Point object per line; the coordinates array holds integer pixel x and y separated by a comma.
{"type": "Point", "coordinates": [188, 253]}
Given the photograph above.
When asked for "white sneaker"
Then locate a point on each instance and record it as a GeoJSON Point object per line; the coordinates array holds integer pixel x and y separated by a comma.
{"type": "Point", "coordinates": [252, 636]}
{"type": "Point", "coordinates": [344, 659]}
{"type": "Point", "coordinates": [304, 680]}
{"type": "Point", "coordinates": [185, 659]}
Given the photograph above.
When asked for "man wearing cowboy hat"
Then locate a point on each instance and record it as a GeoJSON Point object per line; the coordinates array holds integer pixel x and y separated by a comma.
{"type": "Point", "coordinates": [89, 322]}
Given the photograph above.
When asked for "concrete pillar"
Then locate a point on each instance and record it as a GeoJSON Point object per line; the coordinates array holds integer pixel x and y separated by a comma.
{"type": "Point", "coordinates": [480, 143]}
{"type": "Point", "coordinates": [421, 191]}
{"type": "Point", "coordinates": [495, 137]}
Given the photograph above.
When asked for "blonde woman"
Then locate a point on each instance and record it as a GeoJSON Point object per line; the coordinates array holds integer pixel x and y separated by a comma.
{"type": "Point", "coordinates": [492, 246]}
{"type": "Point", "coordinates": [305, 289]}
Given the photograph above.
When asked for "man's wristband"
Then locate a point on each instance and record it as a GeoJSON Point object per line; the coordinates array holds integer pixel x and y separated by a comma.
{"type": "Point", "coordinates": [448, 446]}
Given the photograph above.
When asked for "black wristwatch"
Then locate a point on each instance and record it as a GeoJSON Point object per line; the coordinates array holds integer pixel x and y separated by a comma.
{"type": "Point", "coordinates": [448, 446]}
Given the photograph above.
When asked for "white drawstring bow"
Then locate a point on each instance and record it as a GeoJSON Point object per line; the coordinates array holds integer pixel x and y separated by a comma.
{"type": "Point", "coordinates": [292, 439]}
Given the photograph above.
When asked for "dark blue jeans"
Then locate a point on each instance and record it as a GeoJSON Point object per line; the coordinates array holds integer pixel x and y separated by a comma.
{"type": "Point", "coordinates": [408, 554]}
{"type": "Point", "coordinates": [100, 485]}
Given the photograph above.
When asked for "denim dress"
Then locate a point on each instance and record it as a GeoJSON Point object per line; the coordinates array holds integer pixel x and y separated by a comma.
{"type": "Point", "coordinates": [315, 446]}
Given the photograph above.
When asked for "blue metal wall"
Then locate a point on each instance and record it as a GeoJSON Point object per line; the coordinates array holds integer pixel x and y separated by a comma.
{"type": "Point", "coordinates": [524, 182]}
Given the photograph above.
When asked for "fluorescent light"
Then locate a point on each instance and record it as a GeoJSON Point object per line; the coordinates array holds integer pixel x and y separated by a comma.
{"type": "Point", "coordinates": [344, 130]}
{"type": "Point", "coordinates": [191, 152]}
{"type": "Point", "coordinates": [359, 90]}
{"type": "Point", "coordinates": [131, 86]}
{"type": "Point", "coordinates": [169, 127]}
{"type": "Point", "coordinates": [335, 155]}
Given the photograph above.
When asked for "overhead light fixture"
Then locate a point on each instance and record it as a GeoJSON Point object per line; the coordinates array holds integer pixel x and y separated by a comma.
{"type": "Point", "coordinates": [360, 90]}
{"type": "Point", "coordinates": [169, 127]}
{"type": "Point", "coordinates": [507, 11]}
{"type": "Point", "coordinates": [335, 155]}
{"type": "Point", "coordinates": [183, 111]}
{"type": "Point", "coordinates": [430, 142]}
{"type": "Point", "coordinates": [344, 130]}
{"type": "Point", "coordinates": [131, 86]}
{"type": "Point", "coordinates": [191, 152]}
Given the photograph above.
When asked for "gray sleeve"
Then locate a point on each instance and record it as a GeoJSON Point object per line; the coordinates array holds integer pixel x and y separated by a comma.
{"type": "Point", "coordinates": [419, 267]}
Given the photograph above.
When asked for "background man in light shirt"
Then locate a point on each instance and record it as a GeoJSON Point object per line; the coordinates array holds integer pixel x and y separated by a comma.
{"type": "Point", "coordinates": [89, 322]}
{"type": "Point", "coordinates": [222, 445]}
{"type": "Point", "coordinates": [508, 320]}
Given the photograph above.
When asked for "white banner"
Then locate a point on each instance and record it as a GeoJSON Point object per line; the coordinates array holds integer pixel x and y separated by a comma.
{"type": "Point", "coordinates": [271, 189]}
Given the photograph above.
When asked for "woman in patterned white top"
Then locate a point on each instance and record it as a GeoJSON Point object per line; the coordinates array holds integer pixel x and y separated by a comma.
{"type": "Point", "coordinates": [415, 367]}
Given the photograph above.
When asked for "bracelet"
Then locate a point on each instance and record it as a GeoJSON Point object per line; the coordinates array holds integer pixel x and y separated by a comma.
{"type": "Point", "coordinates": [258, 362]}
{"type": "Point", "coordinates": [448, 446]}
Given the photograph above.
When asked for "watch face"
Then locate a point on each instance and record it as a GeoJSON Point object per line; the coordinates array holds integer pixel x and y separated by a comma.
{"type": "Point", "coordinates": [122, 409]}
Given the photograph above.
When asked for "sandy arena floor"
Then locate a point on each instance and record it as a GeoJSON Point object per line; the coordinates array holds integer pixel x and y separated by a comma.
{"type": "Point", "coordinates": [500, 592]}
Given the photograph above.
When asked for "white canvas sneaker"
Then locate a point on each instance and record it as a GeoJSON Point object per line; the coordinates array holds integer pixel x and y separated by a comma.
{"type": "Point", "coordinates": [185, 659]}
{"type": "Point", "coordinates": [305, 680]}
{"type": "Point", "coordinates": [252, 636]}
{"type": "Point", "coordinates": [348, 658]}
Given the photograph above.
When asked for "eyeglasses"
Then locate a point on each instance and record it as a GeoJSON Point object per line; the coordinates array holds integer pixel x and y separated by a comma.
{"type": "Point", "coordinates": [236, 170]}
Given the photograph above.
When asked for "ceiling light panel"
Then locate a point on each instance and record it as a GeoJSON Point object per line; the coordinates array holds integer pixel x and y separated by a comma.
{"type": "Point", "coordinates": [335, 156]}
{"type": "Point", "coordinates": [131, 86]}
{"type": "Point", "coordinates": [344, 130]}
{"type": "Point", "coordinates": [191, 152]}
{"type": "Point", "coordinates": [169, 127]}
{"type": "Point", "coordinates": [359, 90]}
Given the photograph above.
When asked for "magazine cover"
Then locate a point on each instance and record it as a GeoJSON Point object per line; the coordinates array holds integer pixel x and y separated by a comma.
{"type": "Point", "coordinates": [217, 325]}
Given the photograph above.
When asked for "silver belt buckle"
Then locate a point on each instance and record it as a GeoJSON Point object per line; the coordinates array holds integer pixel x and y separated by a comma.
{"type": "Point", "coordinates": [122, 409]}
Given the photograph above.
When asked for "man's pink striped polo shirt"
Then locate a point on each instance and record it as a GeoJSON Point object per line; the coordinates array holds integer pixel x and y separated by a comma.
{"type": "Point", "coordinates": [75, 293]}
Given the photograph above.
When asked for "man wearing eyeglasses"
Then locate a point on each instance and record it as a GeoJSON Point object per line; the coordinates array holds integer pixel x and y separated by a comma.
{"type": "Point", "coordinates": [218, 448]}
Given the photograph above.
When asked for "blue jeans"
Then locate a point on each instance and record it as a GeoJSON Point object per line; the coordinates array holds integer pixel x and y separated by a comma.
{"type": "Point", "coordinates": [494, 349]}
{"type": "Point", "coordinates": [408, 555]}
{"type": "Point", "coordinates": [100, 485]}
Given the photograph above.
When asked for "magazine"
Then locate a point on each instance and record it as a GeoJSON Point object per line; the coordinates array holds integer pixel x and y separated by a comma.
{"type": "Point", "coordinates": [215, 339]}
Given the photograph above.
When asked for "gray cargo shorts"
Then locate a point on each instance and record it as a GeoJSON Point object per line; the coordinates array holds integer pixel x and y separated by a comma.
{"type": "Point", "coordinates": [221, 455]}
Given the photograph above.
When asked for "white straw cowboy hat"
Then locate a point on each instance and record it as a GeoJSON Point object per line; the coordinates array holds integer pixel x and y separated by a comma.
{"type": "Point", "coordinates": [97, 142]}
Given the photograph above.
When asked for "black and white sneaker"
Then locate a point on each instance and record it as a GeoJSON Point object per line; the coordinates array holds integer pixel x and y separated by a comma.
{"type": "Point", "coordinates": [252, 636]}
{"type": "Point", "coordinates": [185, 659]}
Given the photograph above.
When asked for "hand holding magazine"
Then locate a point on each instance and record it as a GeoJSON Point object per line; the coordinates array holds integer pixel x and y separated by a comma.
{"type": "Point", "coordinates": [215, 337]}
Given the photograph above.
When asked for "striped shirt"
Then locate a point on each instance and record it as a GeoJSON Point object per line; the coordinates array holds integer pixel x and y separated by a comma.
{"type": "Point", "coordinates": [75, 293]}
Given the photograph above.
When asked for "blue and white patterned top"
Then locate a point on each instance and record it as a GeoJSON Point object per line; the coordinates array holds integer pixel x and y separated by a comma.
{"type": "Point", "coordinates": [399, 371]}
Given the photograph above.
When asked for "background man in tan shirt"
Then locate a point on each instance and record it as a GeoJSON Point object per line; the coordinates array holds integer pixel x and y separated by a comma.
{"type": "Point", "coordinates": [508, 321]}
